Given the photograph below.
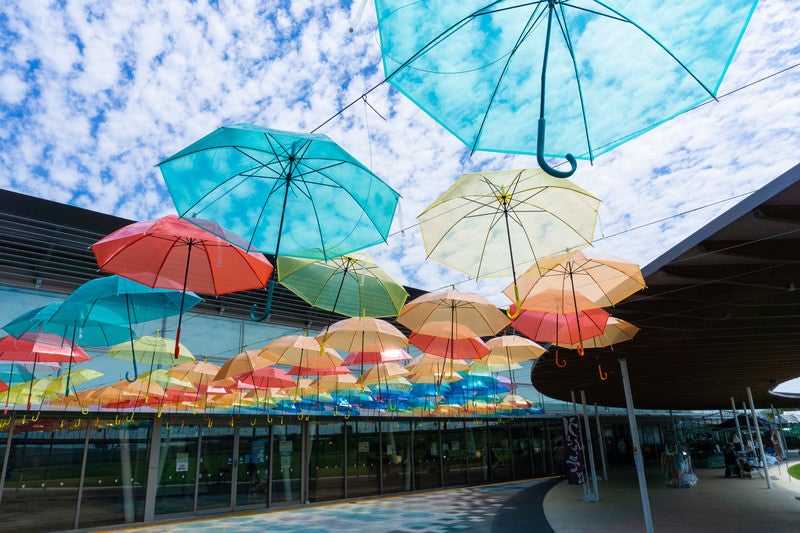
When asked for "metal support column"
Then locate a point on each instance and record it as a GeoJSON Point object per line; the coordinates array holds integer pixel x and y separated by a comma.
{"type": "Point", "coordinates": [235, 468]}
{"type": "Point", "coordinates": [758, 438]}
{"type": "Point", "coordinates": [83, 477]}
{"type": "Point", "coordinates": [6, 455]}
{"type": "Point", "coordinates": [736, 420]}
{"type": "Point", "coordinates": [590, 448]}
{"type": "Point", "coordinates": [602, 442]}
{"type": "Point", "coordinates": [153, 471]}
{"type": "Point", "coordinates": [637, 454]}
{"type": "Point", "coordinates": [587, 493]}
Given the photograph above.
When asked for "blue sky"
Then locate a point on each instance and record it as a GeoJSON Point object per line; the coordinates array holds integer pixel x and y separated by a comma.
{"type": "Point", "coordinates": [94, 94]}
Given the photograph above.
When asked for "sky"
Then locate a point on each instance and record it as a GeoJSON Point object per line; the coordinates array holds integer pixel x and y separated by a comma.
{"type": "Point", "coordinates": [93, 95]}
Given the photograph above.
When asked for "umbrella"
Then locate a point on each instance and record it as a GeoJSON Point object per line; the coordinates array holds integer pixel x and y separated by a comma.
{"type": "Point", "coordinates": [38, 347]}
{"type": "Point", "coordinates": [245, 362]}
{"type": "Point", "coordinates": [560, 328]}
{"type": "Point", "coordinates": [155, 349]}
{"type": "Point", "coordinates": [363, 334]}
{"type": "Point", "coordinates": [133, 300]}
{"type": "Point", "coordinates": [609, 71]}
{"type": "Point", "coordinates": [373, 358]}
{"type": "Point", "coordinates": [490, 224]}
{"type": "Point", "coordinates": [469, 348]}
{"type": "Point", "coordinates": [471, 310]}
{"type": "Point", "coordinates": [351, 285]}
{"type": "Point", "coordinates": [616, 331]}
{"type": "Point", "coordinates": [171, 253]}
{"type": "Point", "coordinates": [430, 363]}
{"type": "Point", "coordinates": [287, 194]}
{"type": "Point", "coordinates": [511, 349]}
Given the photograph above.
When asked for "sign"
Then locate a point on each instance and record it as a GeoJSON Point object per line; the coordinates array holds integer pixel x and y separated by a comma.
{"type": "Point", "coordinates": [285, 446]}
{"type": "Point", "coordinates": [576, 472]}
{"type": "Point", "coordinates": [363, 446]}
{"type": "Point", "coordinates": [182, 462]}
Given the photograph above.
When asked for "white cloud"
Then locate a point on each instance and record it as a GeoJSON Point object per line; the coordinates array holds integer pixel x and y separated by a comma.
{"type": "Point", "coordinates": [107, 90]}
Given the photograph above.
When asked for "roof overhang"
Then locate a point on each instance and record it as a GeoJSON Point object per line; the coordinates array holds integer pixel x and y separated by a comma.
{"type": "Point", "coordinates": [721, 312]}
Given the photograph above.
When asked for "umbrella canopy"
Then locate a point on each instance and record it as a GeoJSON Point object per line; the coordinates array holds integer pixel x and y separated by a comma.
{"type": "Point", "coordinates": [468, 309]}
{"type": "Point", "coordinates": [513, 348]}
{"type": "Point", "coordinates": [351, 285]}
{"type": "Point", "coordinates": [382, 372]}
{"type": "Point", "coordinates": [245, 362]}
{"type": "Point", "coordinates": [98, 327]}
{"type": "Point", "coordinates": [287, 194]}
{"type": "Point", "coordinates": [152, 349]}
{"type": "Point", "coordinates": [616, 331]}
{"type": "Point", "coordinates": [268, 377]}
{"type": "Point", "coordinates": [302, 351]}
{"type": "Point", "coordinates": [363, 334]}
{"type": "Point", "coordinates": [495, 224]}
{"type": "Point", "coordinates": [560, 328]}
{"type": "Point", "coordinates": [581, 280]}
{"type": "Point", "coordinates": [172, 253]}
{"type": "Point", "coordinates": [432, 364]}
{"type": "Point", "coordinates": [601, 72]}
{"type": "Point", "coordinates": [469, 348]}
{"type": "Point", "coordinates": [373, 358]}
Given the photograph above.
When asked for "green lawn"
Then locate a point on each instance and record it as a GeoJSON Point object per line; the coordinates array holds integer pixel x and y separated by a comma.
{"type": "Point", "coordinates": [794, 471]}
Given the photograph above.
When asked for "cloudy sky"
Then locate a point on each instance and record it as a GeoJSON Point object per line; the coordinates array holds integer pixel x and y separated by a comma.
{"type": "Point", "coordinates": [94, 94]}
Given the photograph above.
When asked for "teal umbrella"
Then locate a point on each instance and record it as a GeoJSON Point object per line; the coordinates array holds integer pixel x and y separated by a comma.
{"type": "Point", "coordinates": [286, 194]}
{"type": "Point", "coordinates": [78, 323]}
{"type": "Point", "coordinates": [134, 301]}
{"type": "Point", "coordinates": [599, 73]}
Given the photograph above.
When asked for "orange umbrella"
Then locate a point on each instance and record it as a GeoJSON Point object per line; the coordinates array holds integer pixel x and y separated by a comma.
{"type": "Point", "coordinates": [616, 331]}
{"type": "Point", "coordinates": [363, 334]}
{"type": "Point", "coordinates": [302, 351]}
{"type": "Point", "coordinates": [461, 308]}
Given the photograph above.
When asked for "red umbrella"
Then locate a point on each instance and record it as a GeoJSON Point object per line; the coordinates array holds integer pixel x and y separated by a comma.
{"type": "Point", "coordinates": [375, 358]}
{"type": "Point", "coordinates": [39, 348]}
{"type": "Point", "coordinates": [561, 328]}
{"type": "Point", "coordinates": [268, 377]}
{"type": "Point", "coordinates": [305, 371]}
{"type": "Point", "coordinates": [469, 348]}
{"type": "Point", "coordinates": [173, 253]}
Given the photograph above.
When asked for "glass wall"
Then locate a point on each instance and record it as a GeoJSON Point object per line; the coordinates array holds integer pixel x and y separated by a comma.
{"type": "Point", "coordinates": [396, 466]}
{"type": "Point", "coordinates": [477, 456]}
{"type": "Point", "coordinates": [499, 451]}
{"type": "Point", "coordinates": [43, 474]}
{"type": "Point", "coordinates": [363, 458]}
{"type": "Point", "coordinates": [252, 477]}
{"type": "Point", "coordinates": [286, 454]}
{"type": "Point", "coordinates": [116, 474]}
{"type": "Point", "coordinates": [177, 468]}
{"type": "Point", "coordinates": [427, 455]}
{"type": "Point", "coordinates": [216, 468]}
{"type": "Point", "coordinates": [326, 462]}
{"type": "Point", "coordinates": [521, 451]}
{"type": "Point", "coordinates": [454, 453]}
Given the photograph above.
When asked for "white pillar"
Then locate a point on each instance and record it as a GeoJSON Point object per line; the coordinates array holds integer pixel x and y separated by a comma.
{"type": "Point", "coordinates": [736, 419]}
{"type": "Point", "coordinates": [637, 457]}
{"type": "Point", "coordinates": [585, 486]}
{"type": "Point", "coordinates": [6, 455]}
{"type": "Point", "coordinates": [153, 471]}
{"type": "Point", "coordinates": [758, 438]}
{"type": "Point", "coordinates": [83, 476]}
{"type": "Point", "coordinates": [590, 449]}
{"type": "Point", "coordinates": [602, 442]}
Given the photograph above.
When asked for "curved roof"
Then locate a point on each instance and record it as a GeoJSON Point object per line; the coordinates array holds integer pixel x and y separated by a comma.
{"type": "Point", "coordinates": [721, 312]}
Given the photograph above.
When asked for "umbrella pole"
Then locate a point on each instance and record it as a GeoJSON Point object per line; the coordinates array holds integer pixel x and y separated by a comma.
{"type": "Point", "coordinates": [183, 297]}
{"type": "Point", "coordinates": [348, 262]}
{"type": "Point", "coordinates": [8, 392]}
{"type": "Point", "coordinates": [504, 199]}
{"type": "Point", "coordinates": [271, 284]}
{"type": "Point", "coordinates": [69, 367]}
{"type": "Point", "coordinates": [540, 136]}
{"type": "Point", "coordinates": [577, 315]}
{"type": "Point", "coordinates": [133, 351]}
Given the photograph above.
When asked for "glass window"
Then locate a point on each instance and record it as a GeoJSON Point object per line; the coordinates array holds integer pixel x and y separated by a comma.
{"type": "Point", "coordinates": [477, 452]}
{"type": "Point", "coordinates": [427, 455]}
{"type": "Point", "coordinates": [396, 440]}
{"type": "Point", "coordinates": [116, 474]}
{"type": "Point", "coordinates": [326, 464]}
{"type": "Point", "coordinates": [499, 451]}
{"type": "Point", "coordinates": [287, 460]}
{"type": "Point", "coordinates": [454, 453]}
{"type": "Point", "coordinates": [522, 452]}
{"type": "Point", "coordinates": [216, 467]}
{"type": "Point", "coordinates": [363, 458]}
{"type": "Point", "coordinates": [43, 474]}
{"type": "Point", "coordinates": [253, 473]}
{"type": "Point", "coordinates": [177, 468]}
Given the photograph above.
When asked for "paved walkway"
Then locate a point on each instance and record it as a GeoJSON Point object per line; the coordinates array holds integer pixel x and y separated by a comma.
{"type": "Point", "coordinates": [714, 504]}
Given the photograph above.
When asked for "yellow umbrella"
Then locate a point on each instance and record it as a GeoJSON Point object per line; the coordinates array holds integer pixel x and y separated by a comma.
{"type": "Point", "coordinates": [151, 349]}
{"type": "Point", "coordinates": [337, 382]}
{"type": "Point", "coordinates": [363, 334]}
{"type": "Point", "coordinates": [513, 348]}
{"type": "Point", "coordinates": [429, 363]}
{"type": "Point", "coordinates": [302, 351]}
{"type": "Point", "coordinates": [496, 224]}
{"type": "Point", "coordinates": [602, 280]}
{"type": "Point", "coordinates": [382, 372]}
{"type": "Point", "coordinates": [464, 308]}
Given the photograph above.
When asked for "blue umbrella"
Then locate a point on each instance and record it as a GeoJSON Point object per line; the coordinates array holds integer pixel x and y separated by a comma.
{"type": "Point", "coordinates": [78, 322]}
{"type": "Point", "coordinates": [133, 301]}
{"type": "Point", "coordinates": [602, 72]}
{"type": "Point", "coordinates": [291, 194]}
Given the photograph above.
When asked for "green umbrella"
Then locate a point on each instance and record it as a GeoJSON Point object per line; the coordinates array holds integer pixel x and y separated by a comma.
{"type": "Point", "coordinates": [351, 285]}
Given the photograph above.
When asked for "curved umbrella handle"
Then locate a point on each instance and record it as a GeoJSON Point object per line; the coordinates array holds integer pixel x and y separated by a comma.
{"type": "Point", "coordinates": [130, 418]}
{"type": "Point", "coordinates": [517, 305]}
{"type": "Point", "coordinates": [269, 418]}
{"type": "Point", "coordinates": [560, 364]}
{"type": "Point", "coordinates": [135, 370]}
{"type": "Point", "coordinates": [77, 422]}
{"type": "Point", "coordinates": [253, 421]}
{"type": "Point", "coordinates": [603, 375]}
{"type": "Point", "coordinates": [84, 411]}
{"type": "Point", "coordinates": [267, 305]}
{"type": "Point", "coordinates": [36, 416]}
{"type": "Point", "coordinates": [545, 166]}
